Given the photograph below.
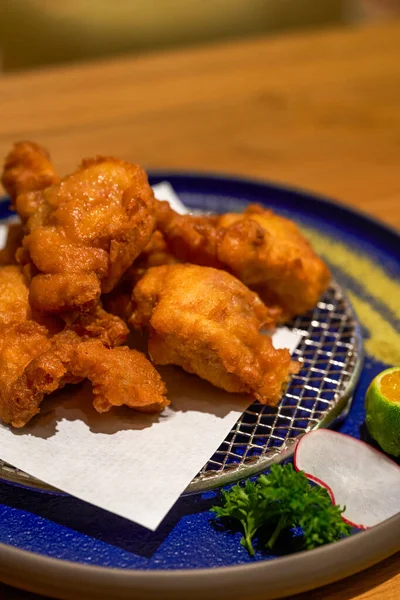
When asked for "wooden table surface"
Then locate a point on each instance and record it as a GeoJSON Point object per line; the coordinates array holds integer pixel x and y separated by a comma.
{"type": "Point", "coordinates": [316, 110]}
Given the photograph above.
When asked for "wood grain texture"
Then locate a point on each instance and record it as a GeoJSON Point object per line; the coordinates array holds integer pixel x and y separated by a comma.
{"type": "Point", "coordinates": [320, 111]}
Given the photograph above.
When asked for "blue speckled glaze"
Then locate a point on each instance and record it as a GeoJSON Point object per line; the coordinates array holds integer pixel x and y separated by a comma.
{"type": "Point", "coordinates": [66, 528]}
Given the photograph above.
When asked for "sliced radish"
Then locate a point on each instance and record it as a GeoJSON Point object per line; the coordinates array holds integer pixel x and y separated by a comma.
{"type": "Point", "coordinates": [356, 475]}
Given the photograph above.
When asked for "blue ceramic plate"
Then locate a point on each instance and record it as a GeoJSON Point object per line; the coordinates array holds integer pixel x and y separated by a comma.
{"type": "Point", "coordinates": [56, 544]}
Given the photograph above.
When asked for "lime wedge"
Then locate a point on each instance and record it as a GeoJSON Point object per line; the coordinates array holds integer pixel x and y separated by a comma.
{"type": "Point", "coordinates": [382, 404]}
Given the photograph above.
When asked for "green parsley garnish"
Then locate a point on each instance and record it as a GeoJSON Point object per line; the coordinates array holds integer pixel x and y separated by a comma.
{"type": "Point", "coordinates": [283, 499]}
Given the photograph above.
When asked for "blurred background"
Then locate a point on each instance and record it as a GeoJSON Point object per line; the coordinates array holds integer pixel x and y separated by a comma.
{"type": "Point", "coordinates": [35, 33]}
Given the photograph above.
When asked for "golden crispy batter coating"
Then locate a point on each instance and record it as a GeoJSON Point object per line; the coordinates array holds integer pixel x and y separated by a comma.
{"type": "Point", "coordinates": [21, 338]}
{"type": "Point", "coordinates": [109, 329]}
{"type": "Point", "coordinates": [190, 238]}
{"type": "Point", "coordinates": [45, 373]}
{"type": "Point", "coordinates": [14, 304]}
{"type": "Point", "coordinates": [208, 322]}
{"type": "Point", "coordinates": [27, 169]}
{"type": "Point", "coordinates": [38, 358]}
{"type": "Point", "coordinates": [269, 253]}
{"type": "Point", "coordinates": [85, 232]}
{"type": "Point", "coordinates": [265, 251]}
{"type": "Point", "coordinates": [119, 376]}
{"type": "Point", "coordinates": [19, 345]}
{"type": "Point", "coordinates": [64, 291]}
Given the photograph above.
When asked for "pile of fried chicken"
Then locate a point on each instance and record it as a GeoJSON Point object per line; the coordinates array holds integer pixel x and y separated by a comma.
{"type": "Point", "coordinates": [95, 253]}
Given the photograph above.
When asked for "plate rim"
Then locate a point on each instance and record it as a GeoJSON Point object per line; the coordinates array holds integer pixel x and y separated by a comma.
{"type": "Point", "coordinates": [267, 579]}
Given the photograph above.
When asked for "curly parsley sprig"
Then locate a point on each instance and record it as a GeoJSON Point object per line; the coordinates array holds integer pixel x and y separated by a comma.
{"type": "Point", "coordinates": [285, 499]}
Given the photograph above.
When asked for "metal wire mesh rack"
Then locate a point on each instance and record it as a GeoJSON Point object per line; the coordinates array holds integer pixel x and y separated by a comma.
{"type": "Point", "coordinates": [330, 353]}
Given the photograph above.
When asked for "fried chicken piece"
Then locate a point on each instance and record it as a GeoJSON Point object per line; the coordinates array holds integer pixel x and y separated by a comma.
{"type": "Point", "coordinates": [208, 322]}
{"type": "Point", "coordinates": [265, 251]}
{"type": "Point", "coordinates": [83, 232]}
{"type": "Point", "coordinates": [118, 376]}
{"type": "Point", "coordinates": [15, 234]}
{"type": "Point", "coordinates": [38, 358]}
{"type": "Point", "coordinates": [19, 345]}
{"type": "Point", "coordinates": [21, 398]}
{"type": "Point", "coordinates": [14, 302]}
{"type": "Point", "coordinates": [283, 268]}
{"type": "Point", "coordinates": [27, 170]}
{"type": "Point", "coordinates": [21, 338]}
{"type": "Point", "coordinates": [34, 364]}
